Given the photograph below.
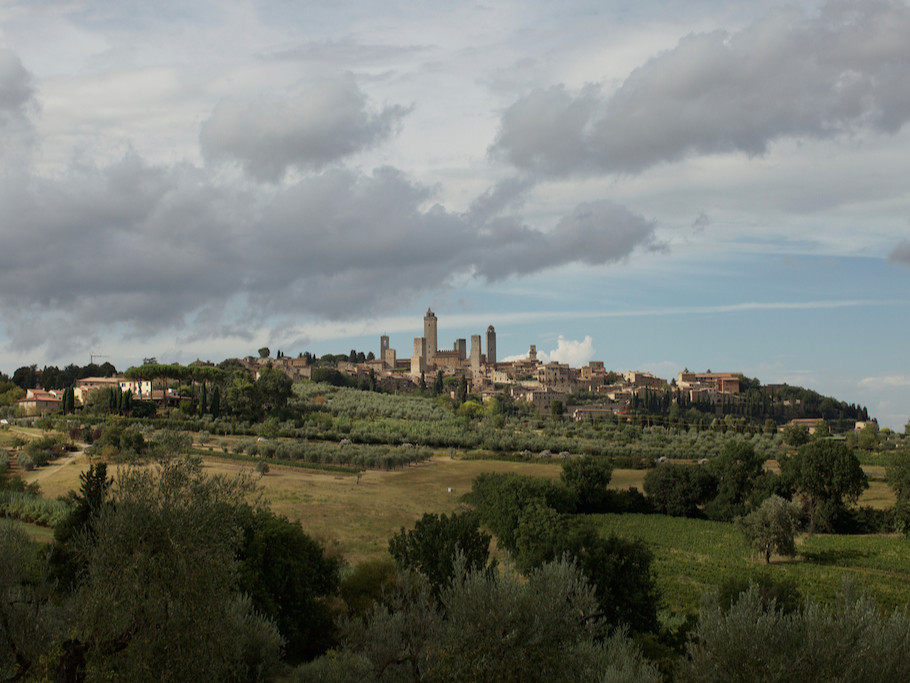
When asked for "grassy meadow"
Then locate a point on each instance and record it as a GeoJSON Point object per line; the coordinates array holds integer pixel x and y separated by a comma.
{"type": "Point", "coordinates": [692, 556]}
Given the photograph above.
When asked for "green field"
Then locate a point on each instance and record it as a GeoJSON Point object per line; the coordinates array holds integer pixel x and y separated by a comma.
{"type": "Point", "coordinates": [693, 556]}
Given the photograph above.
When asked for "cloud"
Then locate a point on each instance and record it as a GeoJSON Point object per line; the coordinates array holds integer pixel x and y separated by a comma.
{"type": "Point", "coordinates": [788, 75]}
{"type": "Point", "coordinates": [139, 248]}
{"type": "Point", "coordinates": [595, 233]}
{"type": "Point", "coordinates": [900, 253]}
{"type": "Point", "coordinates": [570, 352]}
{"type": "Point", "coordinates": [16, 89]}
{"type": "Point", "coordinates": [17, 102]}
{"type": "Point", "coordinates": [886, 381]}
{"type": "Point", "coordinates": [326, 121]}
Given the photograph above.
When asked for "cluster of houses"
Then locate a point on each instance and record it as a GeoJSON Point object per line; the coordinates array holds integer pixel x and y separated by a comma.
{"type": "Point", "coordinates": [41, 402]}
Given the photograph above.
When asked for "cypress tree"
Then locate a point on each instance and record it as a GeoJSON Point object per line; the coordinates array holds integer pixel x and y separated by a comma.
{"type": "Point", "coordinates": [216, 401]}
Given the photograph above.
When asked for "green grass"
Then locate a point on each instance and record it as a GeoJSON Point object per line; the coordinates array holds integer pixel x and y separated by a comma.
{"type": "Point", "coordinates": [42, 534]}
{"type": "Point", "coordinates": [694, 556]}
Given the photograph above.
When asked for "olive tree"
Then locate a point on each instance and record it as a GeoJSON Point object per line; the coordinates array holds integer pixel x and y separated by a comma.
{"type": "Point", "coordinates": [158, 597]}
{"type": "Point", "coordinates": [771, 528]}
{"type": "Point", "coordinates": [852, 640]}
{"type": "Point", "coordinates": [488, 627]}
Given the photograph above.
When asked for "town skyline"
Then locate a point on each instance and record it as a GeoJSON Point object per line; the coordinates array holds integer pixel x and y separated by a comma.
{"type": "Point", "coordinates": [656, 185]}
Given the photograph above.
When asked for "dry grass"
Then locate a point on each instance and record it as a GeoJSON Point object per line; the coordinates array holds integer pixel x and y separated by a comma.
{"type": "Point", "coordinates": [358, 518]}
{"type": "Point", "coordinates": [623, 479]}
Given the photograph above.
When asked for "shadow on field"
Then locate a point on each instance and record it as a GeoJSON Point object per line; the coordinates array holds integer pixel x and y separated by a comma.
{"type": "Point", "coordinates": [833, 556]}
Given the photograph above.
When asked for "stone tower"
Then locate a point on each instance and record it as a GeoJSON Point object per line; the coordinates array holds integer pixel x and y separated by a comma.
{"type": "Point", "coordinates": [429, 335]}
{"type": "Point", "coordinates": [475, 356]}
{"type": "Point", "coordinates": [491, 345]}
{"type": "Point", "coordinates": [418, 360]}
{"type": "Point", "coordinates": [386, 354]}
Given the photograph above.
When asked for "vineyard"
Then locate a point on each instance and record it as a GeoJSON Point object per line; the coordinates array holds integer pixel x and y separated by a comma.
{"type": "Point", "coordinates": [693, 556]}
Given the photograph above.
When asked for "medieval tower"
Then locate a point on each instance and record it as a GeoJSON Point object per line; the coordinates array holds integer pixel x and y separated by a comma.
{"type": "Point", "coordinates": [429, 335]}
{"type": "Point", "coordinates": [491, 345]}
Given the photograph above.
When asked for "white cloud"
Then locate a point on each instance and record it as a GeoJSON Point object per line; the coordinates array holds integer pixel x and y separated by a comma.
{"type": "Point", "coordinates": [571, 352]}
{"type": "Point", "coordinates": [886, 381]}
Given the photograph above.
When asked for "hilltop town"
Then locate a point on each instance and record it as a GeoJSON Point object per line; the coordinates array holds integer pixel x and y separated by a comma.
{"type": "Point", "coordinates": [589, 392]}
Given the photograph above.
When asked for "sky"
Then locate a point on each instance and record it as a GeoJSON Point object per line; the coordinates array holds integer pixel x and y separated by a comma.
{"type": "Point", "coordinates": [657, 184]}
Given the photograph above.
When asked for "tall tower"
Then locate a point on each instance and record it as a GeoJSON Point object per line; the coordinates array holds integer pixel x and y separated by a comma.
{"type": "Point", "coordinates": [383, 346]}
{"type": "Point", "coordinates": [418, 360]}
{"type": "Point", "coordinates": [429, 334]}
{"type": "Point", "coordinates": [491, 345]}
{"type": "Point", "coordinates": [475, 357]}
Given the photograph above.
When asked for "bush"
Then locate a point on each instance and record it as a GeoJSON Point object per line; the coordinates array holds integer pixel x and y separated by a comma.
{"type": "Point", "coordinates": [778, 593]}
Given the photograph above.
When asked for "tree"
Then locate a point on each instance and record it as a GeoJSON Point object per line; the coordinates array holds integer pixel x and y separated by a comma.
{"type": "Point", "coordinates": [679, 490]}
{"type": "Point", "coordinates": [587, 478]}
{"type": "Point", "coordinates": [216, 402]}
{"type": "Point", "coordinates": [796, 435]}
{"type": "Point", "coordinates": [500, 500]}
{"type": "Point", "coordinates": [557, 409]}
{"type": "Point", "coordinates": [26, 377]}
{"type": "Point", "coordinates": [851, 640]}
{"type": "Point", "coordinates": [273, 389]}
{"type": "Point", "coordinates": [159, 598]}
{"type": "Point", "coordinates": [241, 397]}
{"type": "Point", "coordinates": [264, 352]}
{"type": "Point", "coordinates": [828, 476]}
{"type": "Point", "coordinates": [461, 393]}
{"type": "Point", "coordinates": [288, 576]}
{"type": "Point", "coordinates": [618, 569]}
{"type": "Point", "coordinates": [31, 622]}
{"type": "Point", "coordinates": [491, 627]}
{"type": "Point", "coordinates": [771, 528]}
{"type": "Point", "coordinates": [438, 385]}
{"type": "Point", "coordinates": [431, 546]}
{"type": "Point", "coordinates": [87, 505]}
{"type": "Point", "coordinates": [868, 438]}
{"type": "Point", "coordinates": [738, 470]}
{"type": "Point", "coordinates": [898, 475]}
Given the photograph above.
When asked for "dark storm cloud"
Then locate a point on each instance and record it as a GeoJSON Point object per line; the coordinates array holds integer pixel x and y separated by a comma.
{"type": "Point", "coordinates": [346, 243]}
{"type": "Point", "coordinates": [144, 248]}
{"type": "Point", "coordinates": [594, 234]}
{"type": "Point", "coordinates": [129, 244]}
{"type": "Point", "coordinates": [900, 253]}
{"type": "Point", "coordinates": [786, 76]}
{"type": "Point", "coordinates": [322, 124]}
